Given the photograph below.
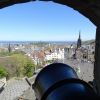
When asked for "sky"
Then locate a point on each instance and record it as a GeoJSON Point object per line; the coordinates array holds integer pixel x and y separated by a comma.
{"type": "Point", "coordinates": [44, 21]}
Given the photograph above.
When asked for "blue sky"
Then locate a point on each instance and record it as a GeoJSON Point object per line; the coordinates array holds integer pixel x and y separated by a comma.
{"type": "Point", "coordinates": [43, 21]}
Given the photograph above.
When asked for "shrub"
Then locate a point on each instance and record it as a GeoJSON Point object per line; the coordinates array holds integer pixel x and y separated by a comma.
{"type": "Point", "coordinates": [29, 69]}
{"type": "Point", "coordinates": [3, 72]}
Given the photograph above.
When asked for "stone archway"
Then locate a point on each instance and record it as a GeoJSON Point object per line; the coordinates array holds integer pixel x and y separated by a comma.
{"type": "Point", "coordinates": [88, 8]}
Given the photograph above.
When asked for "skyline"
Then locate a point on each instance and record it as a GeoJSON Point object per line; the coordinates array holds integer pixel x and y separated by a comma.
{"type": "Point", "coordinates": [43, 21]}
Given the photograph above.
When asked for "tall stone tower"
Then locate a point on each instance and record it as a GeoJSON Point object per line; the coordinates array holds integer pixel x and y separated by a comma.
{"type": "Point", "coordinates": [79, 41]}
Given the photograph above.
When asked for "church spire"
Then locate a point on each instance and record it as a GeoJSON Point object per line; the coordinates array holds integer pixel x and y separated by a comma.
{"type": "Point", "coordinates": [79, 35]}
{"type": "Point", "coordinates": [79, 40]}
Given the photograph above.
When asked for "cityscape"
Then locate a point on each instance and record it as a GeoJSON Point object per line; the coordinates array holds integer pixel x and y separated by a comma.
{"type": "Point", "coordinates": [37, 55]}
{"type": "Point", "coordinates": [37, 34]}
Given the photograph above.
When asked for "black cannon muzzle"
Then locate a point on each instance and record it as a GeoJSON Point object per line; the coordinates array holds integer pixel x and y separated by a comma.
{"type": "Point", "coordinates": [60, 82]}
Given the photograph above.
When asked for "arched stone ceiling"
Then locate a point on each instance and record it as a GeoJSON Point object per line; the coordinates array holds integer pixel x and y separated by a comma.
{"type": "Point", "coordinates": [89, 8]}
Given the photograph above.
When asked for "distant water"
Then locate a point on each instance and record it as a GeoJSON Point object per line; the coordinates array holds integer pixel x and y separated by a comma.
{"type": "Point", "coordinates": [28, 42]}
{"type": "Point", "coordinates": [15, 42]}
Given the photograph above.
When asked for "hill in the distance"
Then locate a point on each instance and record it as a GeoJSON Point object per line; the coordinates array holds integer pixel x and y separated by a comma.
{"type": "Point", "coordinates": [88, 42]}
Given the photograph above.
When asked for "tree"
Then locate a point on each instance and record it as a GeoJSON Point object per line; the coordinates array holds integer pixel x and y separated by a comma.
{"type": "Point", "coordinates": [16, 65]}
{"type": "Point", "coordinates": [9, 48]}
{"type": "Point", "coordinates": [24, 65]}
{"type": "Point", "coordinates": [3, 72]}
{"type": "Point", "coordinates": [20, 61]}
{"type": "Point", "coordinates": [29, 69]}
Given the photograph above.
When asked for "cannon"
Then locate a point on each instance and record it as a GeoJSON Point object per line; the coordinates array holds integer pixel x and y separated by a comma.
{"type": "Point", "coordinates": [59, 81]}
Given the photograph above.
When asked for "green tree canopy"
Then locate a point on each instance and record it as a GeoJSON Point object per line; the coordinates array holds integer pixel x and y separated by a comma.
{"type": "Point", "coordinates": [17, 64]}
{"type": "Point", "coordinates": [24, 65]}
{"type": "Point", "coordinates": [29, 69]}
{"type": "Point", "coordinates": [3, 72]}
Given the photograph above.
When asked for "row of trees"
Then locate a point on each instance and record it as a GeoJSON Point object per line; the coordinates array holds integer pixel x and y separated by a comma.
{"type": "Point", "coordinates": [7, 53]}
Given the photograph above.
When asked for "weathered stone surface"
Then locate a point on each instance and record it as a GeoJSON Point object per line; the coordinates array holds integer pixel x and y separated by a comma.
{"type": "Point", "coordinates": [14, 89]}
{"type": "Point", "coordinates": [86, 69]}
{"type": "Point", "coordinates": [97, 60]}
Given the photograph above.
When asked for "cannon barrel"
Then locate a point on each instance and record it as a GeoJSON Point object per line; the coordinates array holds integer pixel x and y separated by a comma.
{"type": "Point", "coordinates": [60, 82]}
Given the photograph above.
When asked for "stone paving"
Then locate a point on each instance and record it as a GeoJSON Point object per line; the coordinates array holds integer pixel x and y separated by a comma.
{"type": "Point", "coordinates": [28, 95]}
{"type": "Point", "coordinates": [86, 69]}
{"type": "Point", "coordinates": [14, 89]}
